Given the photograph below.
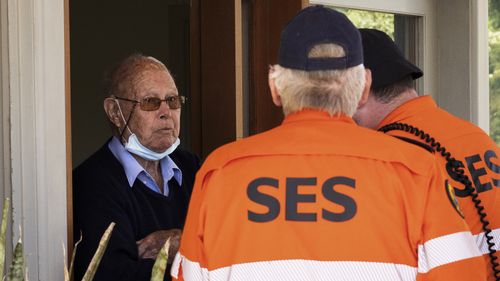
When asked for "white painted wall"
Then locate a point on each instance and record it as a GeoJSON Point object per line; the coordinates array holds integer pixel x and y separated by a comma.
{"type": "Point", "coordinates": [479, 74]}
{"type": "Point", "coordinates": [36, 91]}
{"type": "Point", "coordinates": [462, 28]}
{"type": "Point", "coordinates": [5, 179]}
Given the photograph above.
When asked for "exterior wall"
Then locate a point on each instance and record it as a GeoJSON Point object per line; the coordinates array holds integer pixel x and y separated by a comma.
{"type": "Point", "coordinates": [463, 59]}
{"type": "Point", "coordinates": [37, 152]}
{"type": "Point", "coordinates": [5, 179]}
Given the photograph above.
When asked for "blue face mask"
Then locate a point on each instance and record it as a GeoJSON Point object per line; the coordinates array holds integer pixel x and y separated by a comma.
{"type": "Point", "coordinates": [134, 146]}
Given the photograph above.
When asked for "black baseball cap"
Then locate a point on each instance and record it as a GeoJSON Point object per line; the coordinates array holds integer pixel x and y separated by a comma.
{"type": "Point", "coordinates": [385, 60]}
{"type": "Point", "coordinates": [319, 25]}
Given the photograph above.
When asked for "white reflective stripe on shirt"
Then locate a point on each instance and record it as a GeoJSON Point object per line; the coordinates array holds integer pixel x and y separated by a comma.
{"type": "Point", "coordinates": [190, 270]}
{"type": "Point", "coordinates": [481, 241]}
{"type": "Point", "coordinates": [296, 270]}
{"type": "Point", "coordinates": [446, 249]}
{"type": "Point", "coordinates": [434, 253]}
{"type": "Point", "coordinates": [176, 264]}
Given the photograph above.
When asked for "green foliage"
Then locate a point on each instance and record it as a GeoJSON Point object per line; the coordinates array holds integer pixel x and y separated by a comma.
{"type": "Point", "coordinates": [160, 266]}
{"type": "Point", "coordinates": [3, 230]}
{"type": "Point", "coordinates": [494, 13]}
{"type": "Point", "coordinates": [96, 259]}
{"type": "Point", "coordinates": [17, 271]}
{"type": "Point", "coordinates": [17, 268]}
{"type": "Point", "coordinates": [72, 262]}
{"type": "Point", "coordinates": [69, 273]}
{"type": "Point", "coordinates": [495, 119]}
{"type": "Point", "coordinates": [367, 19]}
{"type": "Point", "coordinates": [157, 274]}
{"type": "Point", "coordinates": [494, 68]}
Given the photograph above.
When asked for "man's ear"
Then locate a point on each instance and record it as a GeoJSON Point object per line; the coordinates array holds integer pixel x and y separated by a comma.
{"type": "Point", "coordinates": [274, 91]}
{"type": "Point", "coordinates": [112, 111]}
{"type": "Point", "coordinates": [366, 90]}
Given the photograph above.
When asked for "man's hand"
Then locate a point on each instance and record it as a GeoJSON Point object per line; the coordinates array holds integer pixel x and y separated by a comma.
{"type": "Point", "coordinates": [150, 246]}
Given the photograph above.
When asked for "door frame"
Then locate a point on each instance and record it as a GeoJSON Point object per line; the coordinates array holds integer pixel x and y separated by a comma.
{"type": "Point", "coordinates": [35, 49]}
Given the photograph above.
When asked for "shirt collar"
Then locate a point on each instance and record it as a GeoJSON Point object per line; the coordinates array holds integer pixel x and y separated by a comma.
{"type": "Point", "coordinates": [132, 168]}
{"type": "Point", "coordinates": [409, 109]}
{"type": "Point", "coordinates": [314, 114]}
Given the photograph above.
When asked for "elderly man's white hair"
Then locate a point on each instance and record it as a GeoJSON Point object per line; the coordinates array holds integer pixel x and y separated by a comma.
{"type": "Point", "coordinates": [333, 91]}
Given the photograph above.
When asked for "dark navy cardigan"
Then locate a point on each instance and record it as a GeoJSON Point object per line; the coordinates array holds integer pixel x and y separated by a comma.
{"type": "Point", "coordinates": [101, 195]}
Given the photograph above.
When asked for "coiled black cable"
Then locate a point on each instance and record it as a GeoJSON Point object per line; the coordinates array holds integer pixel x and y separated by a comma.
{"type": "Point", "coordinates": [457, 168]}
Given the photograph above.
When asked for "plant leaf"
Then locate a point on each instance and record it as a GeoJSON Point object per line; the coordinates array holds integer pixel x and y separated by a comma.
{"type": "Point", "coordinates": [66, 273]}
{"type": "Point", "coordinates": [3, 228]}
{"type": "Point", "coordinates": [17, 265]}
{"type": "Point", "coordinates": [73, 255]}
{"type": "Point", "coordinates": [160, 265]}
{"type": "Point", "coordinates": [96, 259]}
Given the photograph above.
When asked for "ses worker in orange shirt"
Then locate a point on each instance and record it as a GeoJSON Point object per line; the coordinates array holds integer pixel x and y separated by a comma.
{"type": "Point", "coordinates": [393, 100]}
{"type": "Point", "coordinates": [318, 197]}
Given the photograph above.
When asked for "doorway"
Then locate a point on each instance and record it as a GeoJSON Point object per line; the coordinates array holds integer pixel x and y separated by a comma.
{"type": "Point", "coordinates": [104, 32]}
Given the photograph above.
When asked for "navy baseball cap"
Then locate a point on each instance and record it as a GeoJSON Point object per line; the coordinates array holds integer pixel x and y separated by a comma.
{"type": "Point", "coordinates": [319, 25]}
{"type": "Point", "coordinates": [385, 60]}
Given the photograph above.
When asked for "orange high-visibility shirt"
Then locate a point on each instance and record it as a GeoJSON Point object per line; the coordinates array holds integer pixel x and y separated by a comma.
{"type": "Point", "coordinates": [467, 143]}
{"type": "Point", "coordinates": [319, 198]}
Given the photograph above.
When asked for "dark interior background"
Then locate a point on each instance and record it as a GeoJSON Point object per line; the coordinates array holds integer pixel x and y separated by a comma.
{"type": "Point", "coordinates": [102, 33]}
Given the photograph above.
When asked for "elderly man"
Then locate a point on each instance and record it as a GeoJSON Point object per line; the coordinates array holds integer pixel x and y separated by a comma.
{"type": "Point", "coordinates": [393, 100]}
{"type": "Point", "coordinates": [140, 179]}
{"type": "Point", "coordinates": [319, 198]}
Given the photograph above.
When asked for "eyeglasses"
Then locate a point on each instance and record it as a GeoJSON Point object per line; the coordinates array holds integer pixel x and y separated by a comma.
{"type": "Point", "coordinates": [154, 103]}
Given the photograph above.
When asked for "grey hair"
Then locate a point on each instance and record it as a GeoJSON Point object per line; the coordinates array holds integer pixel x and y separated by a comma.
{"type": "Point", "coordinates": [333, 91]}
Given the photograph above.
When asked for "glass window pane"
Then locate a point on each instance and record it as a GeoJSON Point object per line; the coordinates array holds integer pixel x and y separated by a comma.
{"type": "Point", "coordinates": [369, 19]}
{"type": "Point", "coordinates": [403, 29]}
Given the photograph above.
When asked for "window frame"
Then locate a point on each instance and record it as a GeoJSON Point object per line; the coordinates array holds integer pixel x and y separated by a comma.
{"type": "Point", "coordinates": [458, 80]}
